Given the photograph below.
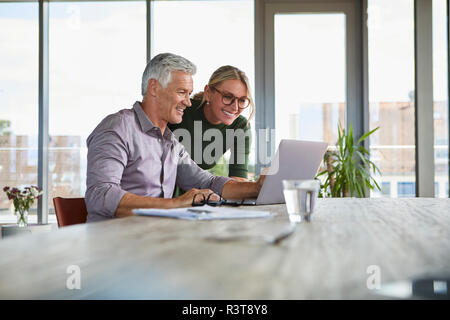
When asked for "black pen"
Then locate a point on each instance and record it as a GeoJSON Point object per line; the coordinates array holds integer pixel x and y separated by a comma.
{"type": "Point", "coordinates": [199, 211]}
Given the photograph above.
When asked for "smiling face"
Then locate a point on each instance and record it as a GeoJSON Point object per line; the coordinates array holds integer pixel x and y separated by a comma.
{"type": "Point", "coordinates": [174, 99]}
{"type": "Point", "coordinates": [216, 111]}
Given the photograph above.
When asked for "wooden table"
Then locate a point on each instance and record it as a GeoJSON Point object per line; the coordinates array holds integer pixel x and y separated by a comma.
{"type": "Point", "coordinates": [9, 230]}
{"type": "Point", "coordinates": [157, 258]}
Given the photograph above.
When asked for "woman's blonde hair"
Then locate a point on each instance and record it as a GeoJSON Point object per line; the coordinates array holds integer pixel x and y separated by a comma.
{"type": "Point", "coordinates": [228, 73]}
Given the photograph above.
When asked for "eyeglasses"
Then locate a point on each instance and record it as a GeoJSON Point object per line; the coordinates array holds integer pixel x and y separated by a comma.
{"type": "Point", "coordinates": [228, 99]}
{"type": "Point", "coordinates": [213, 203]}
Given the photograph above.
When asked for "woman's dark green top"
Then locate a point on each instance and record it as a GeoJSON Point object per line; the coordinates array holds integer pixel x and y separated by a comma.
{"type": "Point", "coordinates": [206, 142]}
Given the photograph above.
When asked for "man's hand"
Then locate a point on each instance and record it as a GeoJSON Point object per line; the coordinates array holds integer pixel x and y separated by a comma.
{"type": "Point", "coordinates": [260, 182]}
{"type": "Point", "coordinates": [239, 179]}
{"type": "Point", "coordinates": [185, 200]}
{"type": "Point", "coordinates": [131, 201]}
{"type": "Point", "coordinates": [233, 189]}
{"type": "Point", "coordinates": [238, 190]}
{"type": "Point", "coordinates": [262, 177]}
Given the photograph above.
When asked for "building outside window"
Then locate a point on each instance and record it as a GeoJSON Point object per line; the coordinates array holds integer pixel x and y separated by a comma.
{"type": "Point", "coordinates": [19, 39]}
{"type": "Point", "coordinates": [406, 189]}
{"type": "Point", "coordinates": [386, 188]}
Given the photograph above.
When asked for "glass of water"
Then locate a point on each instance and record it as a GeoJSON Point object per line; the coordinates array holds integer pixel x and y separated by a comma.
{"type": "Point", "coordinates": [300, 197]}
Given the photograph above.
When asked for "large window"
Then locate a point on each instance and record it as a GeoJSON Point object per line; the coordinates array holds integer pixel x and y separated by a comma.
{"type": "Point", "coordinates": [18, 99]}
{"type": "Point", "coordinates": [97, 56]}
{"type": "Point", "coordinates": [97, 53]}
{"type": "Point", "coordinates": [211, 34]}
{"type": "Point", "coordinates": [440, 95]}
{"type": "Point", "coordinates": [391, 91]}
{"type": "Point", "coordinates": [310, 76]}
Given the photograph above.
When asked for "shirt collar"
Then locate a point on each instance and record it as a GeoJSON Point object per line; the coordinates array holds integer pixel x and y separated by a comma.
{"type": "Point", "coordinates": [168, 134]}
{"type": "Point", "coordinates": [144, 121]}
{"type": "Point", "coordinates": [146, 124]}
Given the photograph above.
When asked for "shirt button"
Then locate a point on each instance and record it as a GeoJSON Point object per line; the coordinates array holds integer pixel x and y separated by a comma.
{"type": "Point", "coordinates": [159, 140]}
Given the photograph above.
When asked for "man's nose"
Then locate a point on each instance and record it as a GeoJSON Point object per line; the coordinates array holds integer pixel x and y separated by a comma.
{"type": "Point", "coordinates": [188, 101]}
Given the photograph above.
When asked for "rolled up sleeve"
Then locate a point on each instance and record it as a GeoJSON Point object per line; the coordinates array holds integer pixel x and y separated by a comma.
{"type": "Point", "coordinates": [107, 158]}
{"type": "Point", "coordinates": [190, 175]}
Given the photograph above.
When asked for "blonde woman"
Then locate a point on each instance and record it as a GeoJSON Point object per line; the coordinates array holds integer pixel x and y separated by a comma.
{"type": "Point", "coordinates": [217, 111]}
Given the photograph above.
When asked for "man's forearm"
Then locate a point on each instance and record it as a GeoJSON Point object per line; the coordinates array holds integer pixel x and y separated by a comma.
{"type": "Point", "coordinates": [131, 201]}
{"type": "Point", "coordinates": [240, 190]}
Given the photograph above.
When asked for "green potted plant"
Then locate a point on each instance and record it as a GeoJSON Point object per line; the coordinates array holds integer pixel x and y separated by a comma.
{"type": "Point", "coordinates": [348, 167]}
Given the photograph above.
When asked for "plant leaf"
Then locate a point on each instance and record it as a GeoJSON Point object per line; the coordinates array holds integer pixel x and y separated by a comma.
{"type": "Point", "coordinates": [364, 136]}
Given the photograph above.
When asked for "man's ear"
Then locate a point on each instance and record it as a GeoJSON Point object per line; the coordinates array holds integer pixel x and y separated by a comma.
{"type": "Point", "coordinates": [153, 86]}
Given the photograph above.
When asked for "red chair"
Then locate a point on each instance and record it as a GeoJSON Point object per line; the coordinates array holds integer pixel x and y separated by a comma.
{"type": "Point", "coordinates": [70, 211]}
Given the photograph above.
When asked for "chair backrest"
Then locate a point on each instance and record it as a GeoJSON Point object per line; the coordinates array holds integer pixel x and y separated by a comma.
{"type": "Point", "coordinates": [70, 211]}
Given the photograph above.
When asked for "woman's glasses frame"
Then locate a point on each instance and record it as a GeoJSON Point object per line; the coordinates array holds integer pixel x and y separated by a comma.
{"type": "Point", "coordinates": [245, 103]}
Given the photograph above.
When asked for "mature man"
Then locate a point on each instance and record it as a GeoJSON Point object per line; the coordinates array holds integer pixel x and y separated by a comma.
{"type": "Point", "coordinates": [134, 160]}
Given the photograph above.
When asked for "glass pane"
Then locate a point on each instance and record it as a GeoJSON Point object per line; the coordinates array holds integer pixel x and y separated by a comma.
{"type": "Point", "coordinates": [18, 100]}
{"type": "Point", "coordinates": [406, 189]}
{"type": "Point", "coordinates": [310, 77]}
{"type": "Point", "coordinates": [440, 95]}
{"type": "Point", "coordinates": [391, 93]}
{"type": "Point", "coordinates": [218, 33]}
{"type": "Point", "coordinates": [97, 56]}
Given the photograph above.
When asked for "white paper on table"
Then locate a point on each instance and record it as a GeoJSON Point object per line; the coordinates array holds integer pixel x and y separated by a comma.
{"type": "Point", "coordinates": [203, 213]}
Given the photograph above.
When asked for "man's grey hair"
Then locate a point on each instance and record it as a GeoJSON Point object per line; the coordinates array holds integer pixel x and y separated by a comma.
{"type": "Point", "coordinates": [161, 67]}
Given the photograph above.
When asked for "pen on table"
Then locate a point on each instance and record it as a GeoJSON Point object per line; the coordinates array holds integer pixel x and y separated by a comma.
{"type": "Point", "coordinates": [199, 211]}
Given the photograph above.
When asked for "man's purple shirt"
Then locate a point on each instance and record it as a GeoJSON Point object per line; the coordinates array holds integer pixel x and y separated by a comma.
{"type": "Point", "coordinates": [127, 153]}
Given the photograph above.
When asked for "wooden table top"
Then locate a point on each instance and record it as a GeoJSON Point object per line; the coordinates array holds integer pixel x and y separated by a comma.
{"type": "Point", "coordinates": [159, 258]}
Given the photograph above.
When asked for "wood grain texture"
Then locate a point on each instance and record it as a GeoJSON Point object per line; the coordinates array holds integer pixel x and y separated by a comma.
{"type": "Point", "coordinates": [158, 258]}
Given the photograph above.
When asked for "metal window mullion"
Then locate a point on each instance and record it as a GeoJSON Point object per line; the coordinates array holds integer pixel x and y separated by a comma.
{"type": "Point", "coordinates": [264, 81]}
{"type": "Point", "coordinates": [354, 70]}
{"type": "Point", "coordinates": [424, 126]}
{"type": "Point", "coordinates": [365, 71]}
{"type": "Point", "coordinates": [42, 213]}
{"type": "Point", "coordinates": [260, 115]}
{"type": "Point", "coordinates": [448, 92]}
{"type": "Point", "coordinates": [149, 4]}
{"type": "Point", "coordinates": [365, 76]}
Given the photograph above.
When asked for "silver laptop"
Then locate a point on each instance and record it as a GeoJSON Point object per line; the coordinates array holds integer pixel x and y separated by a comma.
{"type": "Point", "coordinates": [294, 160]}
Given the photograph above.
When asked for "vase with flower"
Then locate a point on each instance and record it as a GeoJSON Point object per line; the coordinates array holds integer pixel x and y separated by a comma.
{"type": "Point", "coordinates": [23, 199]}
